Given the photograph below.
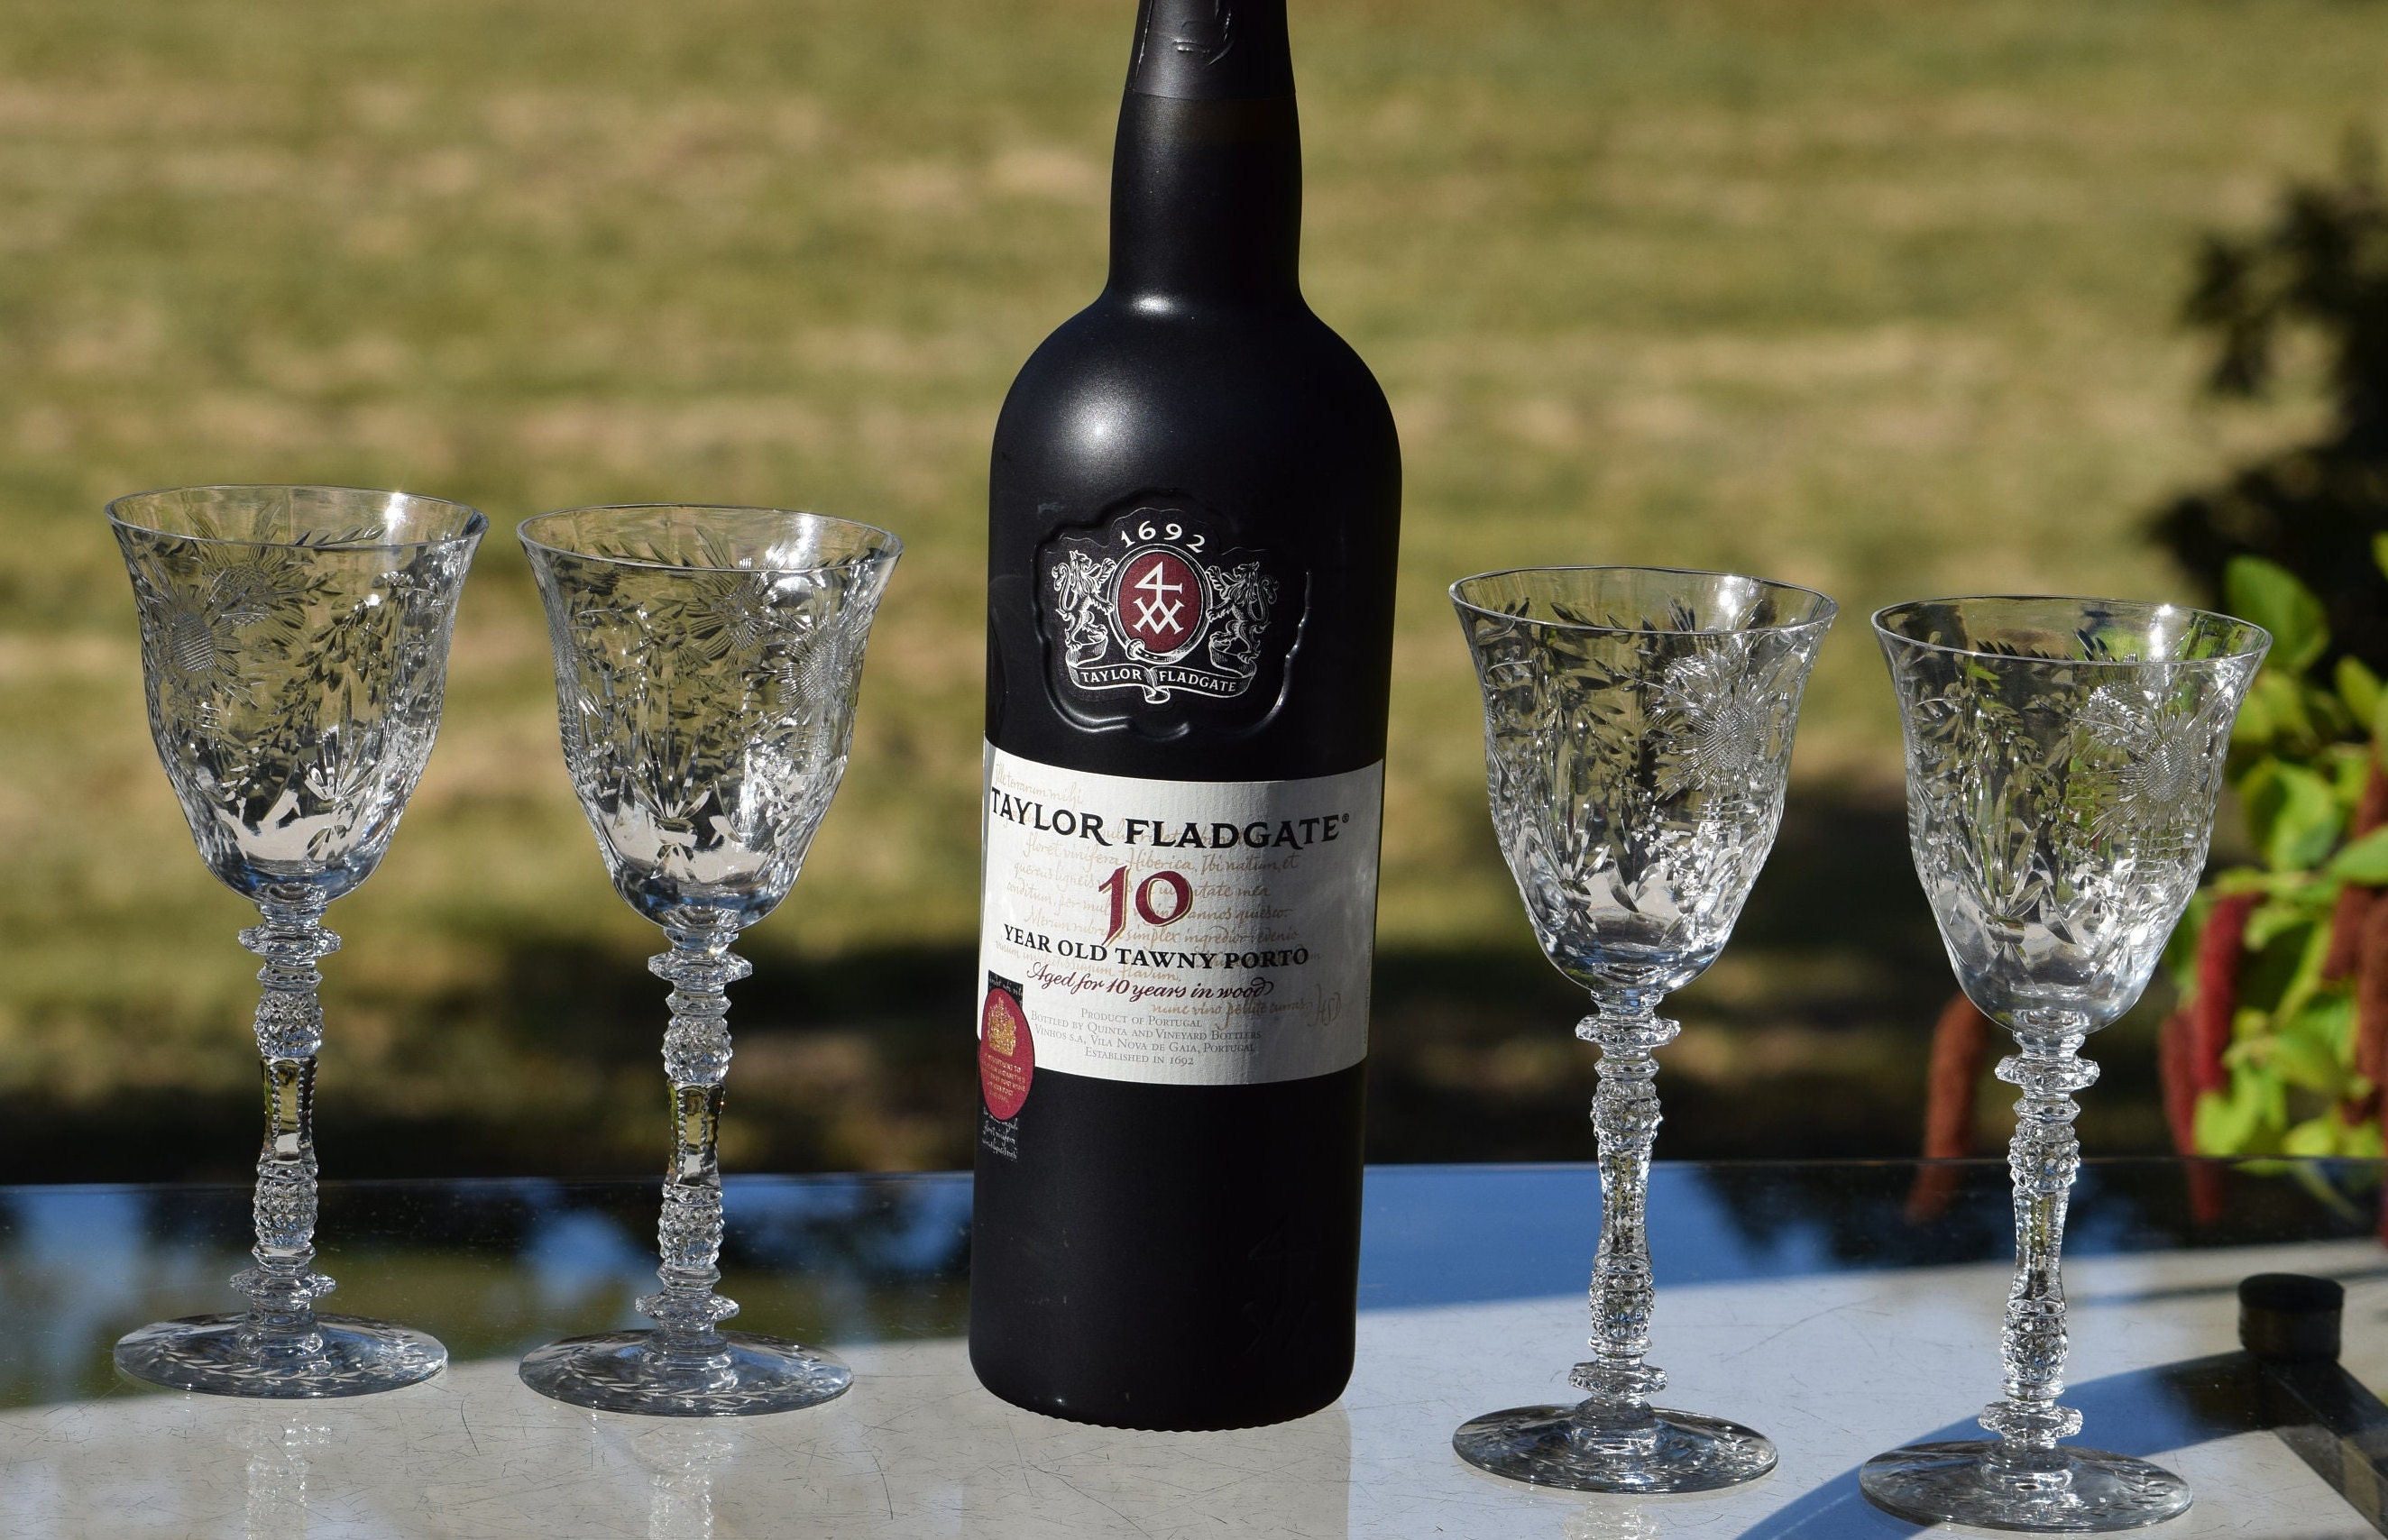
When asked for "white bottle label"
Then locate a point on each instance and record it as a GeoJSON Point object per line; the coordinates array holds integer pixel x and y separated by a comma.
{"type": "Point", "coordinates": [1181, 933]}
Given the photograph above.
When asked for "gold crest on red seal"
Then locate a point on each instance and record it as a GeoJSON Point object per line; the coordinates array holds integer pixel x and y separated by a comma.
{"type": "Point", "coordinates": [1007, 1054]}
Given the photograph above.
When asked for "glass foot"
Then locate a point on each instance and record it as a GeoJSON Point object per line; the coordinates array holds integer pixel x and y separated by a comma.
{"type": "Point", "coordinates": [342, 1356]}
{"type": "Point", "coordinates": [2071, 1491]}
{"type": "Point", "coordinates": [738, 1375]}
{"type": "Point", "coordinates": [1664, 1451]}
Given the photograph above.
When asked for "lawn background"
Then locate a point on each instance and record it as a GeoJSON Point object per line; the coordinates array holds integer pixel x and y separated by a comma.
{"type": "Point", "coordinates": [1879, 299]}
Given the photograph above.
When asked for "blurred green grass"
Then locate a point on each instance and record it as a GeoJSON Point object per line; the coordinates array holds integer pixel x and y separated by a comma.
{"type": "Point", "coordinates": [1877, 297]}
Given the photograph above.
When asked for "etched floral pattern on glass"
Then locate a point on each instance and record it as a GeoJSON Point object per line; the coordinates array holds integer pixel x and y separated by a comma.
{"type": "Point", "coordinates": [706, 718]}
{"type": "Point", "coordinates": [1637, 739]}
{"type": "Point", "coordinates": [294, 648]}
{"type": "Point", "coordinates": [2063, 761]}
{"type": "Point", "coordinates": [1637, 776]}
{"type": "Point", "coordinates": [707, 661]}
{"type": "Point", "coordinates": [2060, 809]}
{"type": "Point", "coordinates": [294, 661]}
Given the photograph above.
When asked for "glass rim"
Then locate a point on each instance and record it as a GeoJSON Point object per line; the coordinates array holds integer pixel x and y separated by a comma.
{"type": "Point", "coordinates": [2259, 640]}
{"type": "Point", "coordinates": [476, 524]}
{"type": "Point", "coordinates": [891, 544]}
{"type": "Point", "coordinates": [1822, 618]}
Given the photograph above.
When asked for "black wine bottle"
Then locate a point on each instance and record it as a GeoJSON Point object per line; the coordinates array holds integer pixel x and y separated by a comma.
{"type": "Point", "coordinates": [1195, 507]}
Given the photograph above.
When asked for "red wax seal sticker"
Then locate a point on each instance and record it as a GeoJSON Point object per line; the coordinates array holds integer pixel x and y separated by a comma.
{"type": "Point", "coordinates": [1007, 1058]}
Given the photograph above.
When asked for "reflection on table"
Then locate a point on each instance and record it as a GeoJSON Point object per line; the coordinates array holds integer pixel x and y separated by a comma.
{"type": "Point", "coordinates": [1801, 1299]}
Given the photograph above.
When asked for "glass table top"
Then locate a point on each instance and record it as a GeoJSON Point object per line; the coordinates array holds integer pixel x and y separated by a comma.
{"type": "Point", "coordinates": [1879, 1283]}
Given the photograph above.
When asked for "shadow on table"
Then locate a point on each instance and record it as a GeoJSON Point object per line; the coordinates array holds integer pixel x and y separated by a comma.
{"type": "Point", "coordinates": [2146, 1412]}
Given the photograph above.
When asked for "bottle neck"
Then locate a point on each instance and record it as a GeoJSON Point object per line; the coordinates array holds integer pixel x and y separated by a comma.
{"type": "Point", "coordinates": [1206, 179]}
{"type": "Point", "coordinates": [1206, 200]}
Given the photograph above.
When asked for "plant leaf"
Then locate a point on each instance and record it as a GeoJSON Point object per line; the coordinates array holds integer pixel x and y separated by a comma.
{"type": "Point", "coordinates": [2365, 861]}
{"type": "Point", "coordinates": [2349, 766]}
{"type": "Point", "coordinates": [2270, 594]}
{"type": "Point", "coordinates": [2239, 1120]}
{"type": "Point", "coordinates": [2359, 687]}
{"type": "Point", "coordinates": [2292, 813]}
{"type": "Point", "coordinates": [2253, 730]}
{"type": "Point", "coordinates": [2303, 1050]}
{"type": "Point", "coordinates": [2315, 1136]}
{"type": "Point", "coordinates": [2280, 701]}
{"type": "Point", "coordinates": [2181, 950]}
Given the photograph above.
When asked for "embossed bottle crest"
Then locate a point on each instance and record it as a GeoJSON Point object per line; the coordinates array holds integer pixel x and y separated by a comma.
{"type": "Point", "coordinates": [1154, 608]}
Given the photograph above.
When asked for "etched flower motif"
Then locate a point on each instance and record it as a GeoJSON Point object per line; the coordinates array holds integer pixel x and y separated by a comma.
{"type": "Point", "coordinates": [722, 615]}
{"type": "Point", "coordinates": [811, 657]}
{"type": "Point", "coordinates": [1720, 713]}
{"type": "Point", "coordinates": [2157, 790]}
{"type": "Point", "coordinates": [808, 668]}
{"type": "Point", "coordinates": [211, 613]}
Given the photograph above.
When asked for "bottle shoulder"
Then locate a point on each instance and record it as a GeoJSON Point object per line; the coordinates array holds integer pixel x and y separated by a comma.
{"type": "Point", "coordinates": [1266, 433]}
{"type": "Point", "coordinates": [1120, 366]}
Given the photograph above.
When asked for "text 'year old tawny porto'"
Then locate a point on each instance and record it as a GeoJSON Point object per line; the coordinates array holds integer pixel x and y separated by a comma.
{"type": "Point", "coordinates": [1195, 507]}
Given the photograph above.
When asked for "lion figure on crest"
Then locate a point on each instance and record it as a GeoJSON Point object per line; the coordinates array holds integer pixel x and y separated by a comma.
{"type": "Point", "coordinates": [1244, 597]}
{"type": "Point", "coordinates": [1078, 587]}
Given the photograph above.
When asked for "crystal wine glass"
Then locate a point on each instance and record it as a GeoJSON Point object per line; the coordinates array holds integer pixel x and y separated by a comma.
{"type": "Point", "coordinates": [707, 660]}
{"type": "Point", "coordinates": [294, 640]}
{"type": "Point", "coordinates": [1637, 736]}
{"type": "Point", "coordinates": [2062, 758]}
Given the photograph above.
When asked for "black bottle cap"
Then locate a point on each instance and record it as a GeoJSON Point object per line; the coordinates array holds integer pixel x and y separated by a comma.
{"type": "Point", "coordinates": [1211, 50]}
{"type": "Point", "coordinates": [2288, 1317]}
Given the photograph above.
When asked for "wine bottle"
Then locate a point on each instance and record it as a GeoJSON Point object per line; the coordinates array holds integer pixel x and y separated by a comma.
{"type": "Point", "coordinates": [1195, 507]}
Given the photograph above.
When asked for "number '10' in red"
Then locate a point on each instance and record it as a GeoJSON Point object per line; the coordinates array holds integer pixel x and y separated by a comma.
{"type": "Point", "coordinates": [1168, 911]}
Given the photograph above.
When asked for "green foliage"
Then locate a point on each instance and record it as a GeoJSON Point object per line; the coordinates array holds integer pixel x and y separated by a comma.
{"type": "Point", "coordinates": [2290, 812]}
{"type": "Point", "coordinates": [2359, 687]}
{"type": "Point", "coordinates": [2302, 751]}
{"type": "Point", "coordinates": [2364, 859]}
{"type": "Point", "coordinates": [2269, 594]}
{"type": "Point", "coordinates": [2284, 543]}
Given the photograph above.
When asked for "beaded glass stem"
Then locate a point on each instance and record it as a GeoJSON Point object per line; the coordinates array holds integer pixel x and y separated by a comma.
{"type": "Point", "coordinates": [2063, 760]}
{"type": "Point", "coordinates": [700, 967]}
{"type": "Point", "coordinates": [1625, 1119]}
{"type": "Point", "coordinates": [283, 1287]}
{"type": "Point", "coordinates": [1638, 732]}
{"type": "Point", "coordinates": [707, 662]}
{"type": "Point", "coordinates": [294, 644]}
